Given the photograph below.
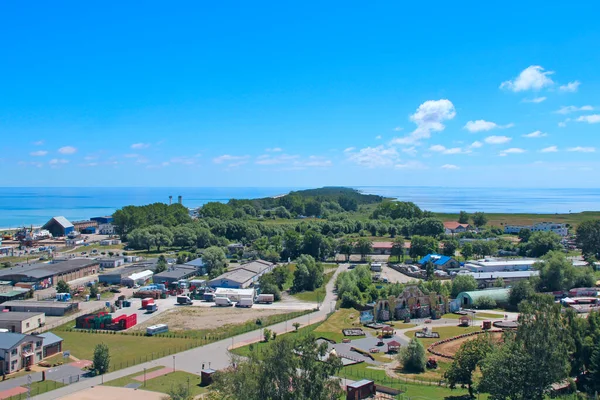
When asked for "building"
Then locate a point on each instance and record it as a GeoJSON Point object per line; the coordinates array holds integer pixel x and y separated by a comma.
{"type": "Point", "coordinates": [119, 276]}
{"type": "Point", "coordinates": [137, 278]}
{"type": "Point", "coordinates": [359, 390]}
{"type": "Point", "coordinates": [235, 248]}
{"type": "Point", "coordinates": [86, 226]}
{"type": "Point", "coordinates": [110, 242]}
{"type": "Point", "coordinates": [244, 276]}
{"type": "Point", "coordinates": [174, 274]}
{"type": "Point", "coordinates": [413, 303]}
{"type": "Point", "coordinates": [468, 299]}
{"type": "Point", "coordinates": [439, 261]}
{"type": "Point", "coordinates": [198, 264]}
{"type": "Point", "coordinates": [105, 225]}
{"type": "Point", "coordinates": [487, 279]}
{"type": "Point", "coordinates": [497, 265]}
{"type": "Point", "coordinates": [59, 226]}
{"type": "Point", "coordinates": [383, 248]}
{"type": "Point", "coordinates": [18, 350]}
{"type": "Point", "coordinates": [50, 308]}
{"type": "Point", "coordinates": [235, 294]}
{"type": "Point", "coordinates": [111, 262]}
{"type": "Point", "coordinates": [560, 229]}
{"type": "Point", "coordinates": [16, 293]}
{"type": "Point", "coordinates": [452, 227]}
{"type": "Point", "coordinates": [46, 275]}
{"type": "Point", "coordinates": [22, 322]}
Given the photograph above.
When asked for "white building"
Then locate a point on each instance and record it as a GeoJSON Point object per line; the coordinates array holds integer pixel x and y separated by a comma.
{"type": "Point", "coordinates": [106, 229]}
{"type": "Point", "coordinates": [235, 294]}
{"type": "Point", "coordinates": [111, 262]}
{"type": "Point", "coordinates": [560, 229]}
{"type": "Point", "coordinates": [497, 265]}
{"type": "Point", "coordinates": [488, 279]}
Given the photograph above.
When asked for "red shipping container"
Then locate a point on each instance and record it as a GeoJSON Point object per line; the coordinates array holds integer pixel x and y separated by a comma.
{"type": "Point", "coordinates": [147, 301]}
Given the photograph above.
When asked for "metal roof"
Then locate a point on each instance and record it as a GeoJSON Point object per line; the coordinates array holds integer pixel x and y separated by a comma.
{"type": "Point", "coordinates": [62, 221]}
{"type": "Point", "coordinates": [8, 340]}
{"type": "Point", "coordinates": [359, 384]}
{"type": "Point", "coordinates": [50, 339]}
{"type": "Point", "coordinates": [499, 295]}
{"type": "Point", "coordinates": [256, 266]}
{"type": "Point", "coordinates": [502, 274]}
{"type": "Point", "coordinates": [176, 272]}
{"type": "Point", "coordinates": [47, 270]}
{"type": "Point", "coordinates": [239, 275]}
{"type": "Point", "coordinates": [437, 259]}
{"type": "Point", "coordinates": [18, 316]}
{"type": "Point", "coordinates": [28, 303]}
{"type": "Point", "coordinates": [196, 263]}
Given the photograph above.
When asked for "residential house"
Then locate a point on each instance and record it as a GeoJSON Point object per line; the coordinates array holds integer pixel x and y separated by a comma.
{"type": "Point", "coordinates": [560, 229]}
{"type": "Point", "coordinates": [452, 227]}
{"type": "Point", "coordinates": [383, 248]}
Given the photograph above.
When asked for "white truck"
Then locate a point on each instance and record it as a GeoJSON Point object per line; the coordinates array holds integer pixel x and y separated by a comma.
{"type": "Point", "coordinates": [265, 298]}
{"type": "Point", "coordinates": [223, 302]}
{"type": "Point", "coordinates": [245, 303]}
{"type": "Point", "coordinates": [184, 300]}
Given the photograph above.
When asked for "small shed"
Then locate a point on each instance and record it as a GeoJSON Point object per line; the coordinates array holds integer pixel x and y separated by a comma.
{"type": "Point", "coordinates": [393, 347]}
{"type": "Point", "coordinates": [360, 390]}
{"type": "Point", "coordinates": [387, 331]}
{"type": "Point", "coordinates": [465, 320]}
{"type": "Point", "coordinates": [206, 376]}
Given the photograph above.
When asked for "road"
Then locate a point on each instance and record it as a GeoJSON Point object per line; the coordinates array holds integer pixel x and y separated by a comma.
{"type": "Point", "coordinates": [217, 354]}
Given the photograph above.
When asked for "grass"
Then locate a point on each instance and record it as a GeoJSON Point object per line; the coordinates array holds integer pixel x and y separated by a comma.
{"type": "Point", "coordinates": [341, 319]}
{"type": "Point", "coordinates": [88, 249]}
{"type": "Point", "coordinates": [125, 380]}
{"type": "Point", "coordinates": [445, 333]}
{"type": "Point", "coordinates": [318, 294]}
{"type": "Point", "coordinates": [163, 383]}
{"type": "Point", "coordinates": [573, 219]}
{"type": "Point", "coordinates": [38, 388]}
{"type": "Point", "coordinates": [58, 358]}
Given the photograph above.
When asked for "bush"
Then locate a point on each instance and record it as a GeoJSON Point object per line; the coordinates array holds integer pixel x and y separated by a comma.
{"type": "Point", "coordinates": [485, 303]}
{"type": "Point", "coordinates": [413, 356]}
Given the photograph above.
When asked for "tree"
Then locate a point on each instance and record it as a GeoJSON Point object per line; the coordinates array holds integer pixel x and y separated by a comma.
{"type": "Point", "coordinates": [290, 368]}
{"type": "Point", "coordinates": [347, 203]}
{"type": "Point", "coordinates": [449, 247]}
{"type": "Point", "coordinates": [296, 326]}
{"type": "Point", "coordinates": [520, 291]}
{"type": "Point", "coordinates": [308, 274]}
{"type": "Point", "coordinates": [463, 217]}
{"type": "Point", "coordinates": [312, 208]}
{"type": "Point", "coordinates": [429, 270]}
{"type": "Point", "coordinates": [364, 246]}
{"type": "Point", "coordinates": [462, 283]}
{"type": "Point", "coordinates": [588, 237]}
{"type": "Point", "coordinates": [180, 391]}
{"type": "Point", "coordinates": [266, 335]}
{"type": "Point", "coordinates": [413, 357]}
{"type": "Point", "coordinates": [345, 247]}
{"type": "Point", "coordinates": [485, 303]}
{"type": "Point", "coordinates": [420, 246]}
{"type": "Point", "coordinates": [161, 265]}
{"type": "Point", "coordinates": [556, 272]}
{"type": "Point", "coordinates": [595, 369]}
{"type": "Point", "coordinates": [499, 282]}
{"type": "Point", "coordinates": [94, 291]}
{"type": "Point", "coordinates": [161, 235]}
{"type": "Point", "coordinates": [62, 287]}
{"type": "Point", "coordinates": [281, 274]}
{"type": "Point", "coordinates": [467, 250]}
{"type": "Point", "coordinates": [398, 248]}
{"type": "Point", "coordinates": [215, 260]}
{"type": "Point", "coordinates": [312, 242]}
{"type": "Point", "coordinates": [524, 235]}
{"type": "Point", "coordinates": [140, 238]}
{"type": "Point", "coordinates": [479, 219]}
{"type": "Point", "coordinates": [184, 236]}
{"type": "Point", "coordinates": [292, 244]}
{"type": "Point", "coordinates": [541, 243]}
{"type": "Point", "coordinates": [101, 359]}
{"type": "Point", "coordinates": [469, 356]}
{"type": "Point", "coordinates": [216, 210]}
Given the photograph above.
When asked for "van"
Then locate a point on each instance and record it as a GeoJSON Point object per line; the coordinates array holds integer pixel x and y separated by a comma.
{"type": "Point", "coordinates": [223, 302]}
{"type": "Point", "coordinates": [245, 303]}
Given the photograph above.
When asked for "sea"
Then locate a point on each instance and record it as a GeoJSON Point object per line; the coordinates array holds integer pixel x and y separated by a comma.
{"type": "Point", "coordinates": [36, 205]}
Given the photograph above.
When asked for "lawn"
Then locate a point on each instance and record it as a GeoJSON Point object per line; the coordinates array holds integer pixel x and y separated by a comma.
{"type": "Point", "coordinates": [573, 219]}
{"type": "Point", "coordinates": [163, 383]}
{"type": "Point", "coordinates": [316, 295]}
{"type": "Point", "coordinates": [38, 388]}
{"type": "Point", "coordinates": [445, 333]}
{"type": "Point", "coordinates": [341, 319]}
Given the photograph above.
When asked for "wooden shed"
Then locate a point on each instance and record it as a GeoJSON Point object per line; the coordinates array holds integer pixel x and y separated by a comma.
{"type": "Point", "coordinates": [360, 390]}
{"type": "Point", "coordinates": [206, 376]}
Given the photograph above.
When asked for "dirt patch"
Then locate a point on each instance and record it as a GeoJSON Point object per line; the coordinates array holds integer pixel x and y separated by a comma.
{"type": "Point", "coordinates": [451, 348]}
{"type": "Point", "coordinates": [193, 318]}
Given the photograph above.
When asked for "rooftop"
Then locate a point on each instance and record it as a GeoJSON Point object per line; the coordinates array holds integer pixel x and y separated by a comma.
{"type": "Point", "coordinates": [501, 274]}
{"type": "Point", "coordinates": [42, 270]}
{"type": "Point", "coordinates": [62, 221]}
{"type": "Point", "coordinates": [25, 303]}
{"type": "Point", "coordinates": [176, 272]}
{"type": "Point", "coordinates": [359, 384]}
{"type": "Point", "coordinates": [455, 224]}
{"type": "Point", "coordinates": [9, 340]}
{"type": "Point", "coordinates": [436, 259]}
{"type": "Point", "coordinates": [239, 275]}
{"type": "Point", "coordinates": [17, 316]}
{"type": "Point", "coordinates": [50, 338]}
{"type": "Point", "coordinates": [496, 294]}
{"type": "Point", "coordinates": [256, 266]}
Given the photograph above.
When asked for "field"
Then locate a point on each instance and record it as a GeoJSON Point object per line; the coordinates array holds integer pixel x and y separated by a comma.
{"type": "Point", "coordinates": [573, 219]}
{"type": "Point", "coordinates": [316, 295]}
{"type": "Point", "coordinates": [450, 348]}
{"type": "Point", "coordinates": [341, 319]}
{"type": "Point", "coordinates": [163, 383]}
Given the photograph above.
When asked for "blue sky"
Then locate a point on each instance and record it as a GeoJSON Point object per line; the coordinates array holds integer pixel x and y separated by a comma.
{"type": "Point", "coordinates": [304, 94]}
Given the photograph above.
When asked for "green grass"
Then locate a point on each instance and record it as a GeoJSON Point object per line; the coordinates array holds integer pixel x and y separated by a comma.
{"type": "Point", "coordinates": [163, 383]}
{"type": "Point", "coordinates": [445, 333]}
{"type": "Point", "coordinates": [88, 249]}
{"type": "Point", "coordinates": [341, 319]}
{"type": "Point", "coordinates": [121, 382]}
{"type": "Point", "coordinates": [528, 219]}
{"type": "Point", "coordinates": [318, 294]}
{"type": "Point", "coordinates": [38, 388]}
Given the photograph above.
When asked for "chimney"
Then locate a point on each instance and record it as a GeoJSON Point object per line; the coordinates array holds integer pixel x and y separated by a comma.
{"type": "Point", "coordinates": [170, 200]}
{"type": "Point", "coordinates": [180, 199]}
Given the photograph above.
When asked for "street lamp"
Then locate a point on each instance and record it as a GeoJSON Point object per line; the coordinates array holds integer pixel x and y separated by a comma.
{"type": "Point", "coordinates": [173, 363]}
{"type": "Point", "coordinates": [144, 377]}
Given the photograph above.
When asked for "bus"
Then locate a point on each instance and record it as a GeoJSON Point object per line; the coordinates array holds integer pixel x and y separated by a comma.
{"type": "Point", "coordinates": [156, 329]}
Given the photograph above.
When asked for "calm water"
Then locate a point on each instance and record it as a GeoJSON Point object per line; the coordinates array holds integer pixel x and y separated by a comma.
{"type": "Point", "coordinates": [19, 206]}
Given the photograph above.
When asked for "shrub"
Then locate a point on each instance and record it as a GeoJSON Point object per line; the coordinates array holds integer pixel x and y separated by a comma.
{"type": "Point", "coordinates": [485, 303]}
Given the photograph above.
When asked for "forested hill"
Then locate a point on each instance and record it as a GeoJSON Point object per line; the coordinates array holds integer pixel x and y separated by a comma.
{"type": "Point", "coordinates": [330, 193]}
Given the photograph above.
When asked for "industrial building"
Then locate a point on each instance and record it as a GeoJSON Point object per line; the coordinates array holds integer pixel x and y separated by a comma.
{"type": "Point", "coordinates": [497, 265]}
{"type": "Point", "coordinates": [235, 294]}
{"type": "Point", "coordinates": [105, 225]}
{"type": "Point", "coordinates": [468, 299]}
{"type": "Point", "coordinates": [50, 308]}
{"type": "Point", "coordinates": [198, 264]}
{"type": "Point", "coordinates": [243, 276]}
{"type": "Point", "coordinates": [111, 262]}
{"type": "Point", "coordinates": [559, 229]}
{"type": "Point", "coordinates": [439, 261]}
{"type": "Point", "coordinates": [45, 275]}
{"type": "Point", "coordinates": [59, 226]}
{"type": "Point", "coordinates": [119, 276]}
{"type": "Point", "coordinates": [22, 322]}
{"type": "Point", "coordinates": [137, 278]}
{"type": "Point", "coordinates": [18, 350]}
{"type": "Point", "coordinates": [15, 293]}
{"type": "Point", "coordinates": [86, 227]}
{"type": "Point", "coordinates": [174, 274]}
{"type": "Point", "coordinates": [487, 279]}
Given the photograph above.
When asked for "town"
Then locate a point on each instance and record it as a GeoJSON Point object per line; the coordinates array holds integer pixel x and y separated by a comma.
{"type": "Point", "coordinates": [160, 299]}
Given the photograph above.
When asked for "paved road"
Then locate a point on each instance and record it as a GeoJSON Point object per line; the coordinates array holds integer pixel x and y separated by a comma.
{"type": "Point", "coordinates": [216, 354]}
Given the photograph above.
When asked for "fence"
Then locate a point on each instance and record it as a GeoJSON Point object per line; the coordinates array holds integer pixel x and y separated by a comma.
{"type": "Point", "coordinates": [71, 317]}
{"type": "Point", "coordinates": [38, 386]}
{"type": "Point", "coordinates": [380, 378]}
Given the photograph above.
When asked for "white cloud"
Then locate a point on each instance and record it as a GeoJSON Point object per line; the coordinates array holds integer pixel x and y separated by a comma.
{"type": "Point", "coordinates": [562, 124]}
{"type": "Point", "coordinates": [570, 87]}
{"type": "Point", "coordinates": [267, 159]}
{"type": "Point", "coordinates": [347, 149]}
{"type": "Point", "coordinates": [482, 125]}
{"type": "Point", "coordinates": [38, 143]}
{"type": "Point", "coordinates": [372, 157]}
{"type": "Point", "coordinates": [580, 149]}
{"type": "Point", "coordinates": [450, 166]}
{"type": "Point", "coordinates": [67, 150]}
{"type": "Point", "coordinates": [378, 137]}
{"type": "Point", "coordinates": [590, 119]}
{"type": "Point", "coordinates": [533, 77]}
{"type": "Point", "coordinates": [58, 161]}
{"type": "Point", "coordinates": [512, 150]}
{"type": "Point", "coordinates": [497, 139]}
{"type": "Point", "coordinates": [89, 164]}
{"type": "Point", "coordinates": [274, 149]}
{"type": "Point", "coordinates": [476, 144]}
{"type": "Point", "coordinates": [314, 161]}
{"type": "Point", "coordinates": [39, 153]}
{"type": "Point", "coordinates": [232, 161]}
{"type": "Point", "coordinates": [398, 129]}
{"type": "Point", "coordinates": [131, 155]}
{"type": "Point", "coordinates": [429, 117]}
{"type": "Point", "coordinates": [184, 160]}
{"type": "Point", "coordinates": [570, 109]}
{"type": "Point", "coordinates": [549, 149]}
{"type": "Point", "coordinates": [138, 146]}
{"type": "Point", "coordinates": [411, 151]}
{"type": "Point", "coordinates": [535, 134]}
{"type": "Point", "coordinates": [411, 165]}
{"type": "Point", "coordinates": [438, 148]}
{"type": "Point", "coordinates": [535, 100]}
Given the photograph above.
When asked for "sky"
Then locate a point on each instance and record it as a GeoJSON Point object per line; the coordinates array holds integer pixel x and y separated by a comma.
{"type": "Point", "coordinates": [300, 94]}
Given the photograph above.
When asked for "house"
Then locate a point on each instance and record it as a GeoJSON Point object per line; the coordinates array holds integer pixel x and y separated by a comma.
{"type": "Point", "coordinates": [111, 262]}
{"type": "Point", "coordinates": [22, 322]}
{"type": "Point", "coordinates": [452, 227]}
{"type": "Point", "coordinates": [50, 308]}
{"type": "Point", "coordinates": [413, 303]}
{"type": "Point", "coordinates": [359, 390]}
{"type": "Point", "coordinates": [559, 229]}
{"type": "Point", "coordinates": [45, 275]}
{"type": "Point", "coordinates": [19, 350]}
{"type": "Point", "coordinates": [105, 225]}
{"type": "Point", "coordinates": [439, 261]}
{"type": "Point", "coordinates": [243, 276]}
{"type": "Point", "coordinates": [59, 226]}
{"type": "Point", "coordinates": [384, 248]}
{"type": "Point", "coordinates": [52, 344]}
{"type": "Point", "coordinates": [174, 274]}
{"type": "Point", "coordinates": [497, 265]}
{"type": "Point", "coordinates": [468, 299]}
{"type": "Point", "coordinates": [235, 248]}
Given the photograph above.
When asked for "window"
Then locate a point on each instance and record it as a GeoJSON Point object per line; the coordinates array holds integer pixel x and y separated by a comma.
{"type": "Point", "coordinates": [27, 325]}
{"type": "Point", "coordinates": [13, 352]}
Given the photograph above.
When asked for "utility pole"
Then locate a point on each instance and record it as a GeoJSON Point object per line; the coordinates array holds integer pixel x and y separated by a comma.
{"type": "Point", "coordinates": [173, 363]}
{"type": "Point", "coordinates": [144, 377]}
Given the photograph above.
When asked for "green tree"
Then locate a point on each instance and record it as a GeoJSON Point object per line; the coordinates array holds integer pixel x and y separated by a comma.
{"type": "Point", "coordinates": [161, 265]}
{"type": "Point", "coordinates": [463, 217]}
{"type": "Point", "coordinates": [556, 272]}
{"type": "Point", "coordinates": [296, 326]}
{"type": "Point", "coordinates": [499, 282]}
{"type": "Point", "coordinates": [479, 219]}
{"type": "Point", "coordinates": [162, 236]}
{"type": "Point", "coordinates": [179, 391]}
{"type": "Point", "coordinates": [101, 359]}
{"type": "Point", "coordinates": [467, 250]}
{"type": "Point", "coordinates": [62, 287]}
{"type": "Point", "coordinates": [140, 238]}
{"type": "Point", "coordinates": [588, 237]}
{"type": "Point", "coordinates": [281, 274]}
{"type": "Point", "coordinates": [363, 247]}
{"type": "Point", "coordinates": [462, 283]}
{"type": "Point", "coordinates": [312, 208]}
{"type": "Point", "coordinates": [216, 210]}
{"type": "Point", "coordinates": [94, 291]}
{"type": "Point", "coordinates": [524, 235]}
{"type": "Point", "coordinates": [469, 356]}
{"type": "Point", "coordinates": [413, 356]}
{"type": "Point", "coordinates": [215, 260]}
{"type": "Point", "coordinates": [485, 303]}
{"type": "Point", "coordinates": [292, 244]}
{"type": "Point", "coordinates": [184, 236]}
{"type": "Point", "coordinates": [420, 246]}
{"type": "Point", "coordinates": [345, 247]}
{"type": "Point", "coordinates": [449, 247]}
{"type": "Point", "coordinates": [595, 369]}
{"type": "Point", "coordinates": [541, 243]}
{"type": "Point", "coordinates": [308, 274]}
{"type": "Point", "coordinates": [266, 335]}
{"type": "Point", "coordinates": [520, 291]}
{"type": "Point", "coordinates": [312, 243]}
{"type": "Point", "coordinates": [398, 248]}
{"type": "Point", "coordinates": [429, 270]}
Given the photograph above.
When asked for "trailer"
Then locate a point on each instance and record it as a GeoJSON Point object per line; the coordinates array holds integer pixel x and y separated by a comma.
{"type": "Point", "coordinates": [265, 298]}
{"type": "Point", "coordinates": [247, 303]}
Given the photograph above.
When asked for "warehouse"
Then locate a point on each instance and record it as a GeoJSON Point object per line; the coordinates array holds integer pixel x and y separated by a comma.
{"type": "Point", "coordinates": [15, 294]}
{"type": "Point", "coordinates": [497, 265]}
{"type": "Point", "coordinates": [111, 262]}
{"type": "Point", "coordinates": [59, 226]}
{"type": "Point", "coordinates": [468, 299]}
{"type": "Point", "coordinates": [488, 279]}
{"type": "Point", "coordinates": [46, 275]}
{"type": "Point", "coordinates": [243, 276]}
{"type": "Point", "coordinates": [174, 274]}
{"type": "Point", "coordinates": [50, 308]}
{"type": "Point", "coordinates": [137, 278]}
{"type": "Point", "coordinates": [22, 322]}
{"type": "Point", "coordinates": [117, 276]}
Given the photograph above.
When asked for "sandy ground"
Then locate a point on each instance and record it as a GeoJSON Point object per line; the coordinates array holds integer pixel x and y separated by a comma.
{"type": "Point", "coordinates": [450, 348]}
{"type": "Point", "coordinates": [109, 392]}
{"type": "Point", "coordinates": [186, 318]}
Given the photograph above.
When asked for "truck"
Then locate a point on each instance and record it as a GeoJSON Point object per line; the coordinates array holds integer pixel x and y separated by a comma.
{"type": "Point", "coordinates": [245, 303]}
{"type": "Point", "coordinates": [265, 298]}
{"type": "Point", "coordinates": [223, 302]}
{"type": "Point", "coordinates": [184, 300]}
{"type": "Point", "coordinates": [208, 296]}
{"type": "Point", "coordinates": [150, 308]}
